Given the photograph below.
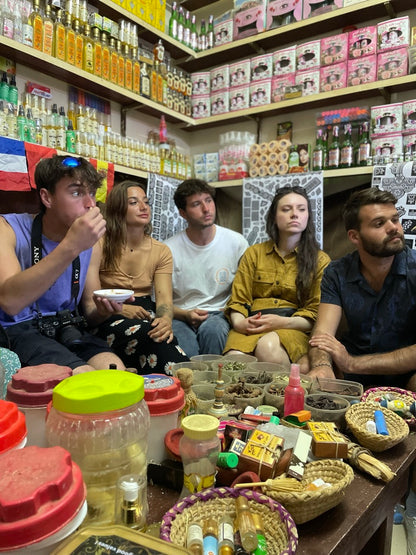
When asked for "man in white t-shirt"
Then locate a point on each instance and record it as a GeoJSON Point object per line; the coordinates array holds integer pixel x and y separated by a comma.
{"type": "Point", "coordinates": [205, 260]}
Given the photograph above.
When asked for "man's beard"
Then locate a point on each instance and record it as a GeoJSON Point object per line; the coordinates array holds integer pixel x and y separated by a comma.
{"type": "Point", "coordinates": [385, 249]}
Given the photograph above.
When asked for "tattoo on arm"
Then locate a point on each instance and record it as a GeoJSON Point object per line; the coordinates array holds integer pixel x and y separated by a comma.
{"type": "Point", "coordinates": [164, 310]}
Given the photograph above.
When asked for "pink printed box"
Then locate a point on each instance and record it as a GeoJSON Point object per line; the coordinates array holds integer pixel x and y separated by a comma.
{"type": "Point", "coordinates": [333, 77]}
{"type": "Point", "coordinates": [200, 106]}
{"type": "Point", "coordinates": [239, 98]}
{"type": "Point", "coordinates": [393, 33]}
{"type": "Point", "coordinates": [220, 102]}
{"type": "Point", "coordinates": [309, 80]}
{"type": "Point", "coordinates": [249, 20]}
{"type": "Point", "coordinates": [311, 8]}
{"type": "Point", "coordinates": [334, 49]}
{"type": "Point", "coordinates": [260, 92]}
{"type": "Point", "coordinates": [200, 82]}
{"type": "Point", "coordinates": [362, 42]}
{"type": "Point", "coordinates": [393, 63]}
{"type": "Point", "coordinates": [279, 84]}
{"type": "Point", "coordinates": [240, 73]}
{"type": "Point", "coordinates": [284, 61]}
{"type": "Point", "coordinates": [261, 67]}
{"type": "Point", "coordinates": [409, 115]}
{"type": "Point", "coordinates": [220, 78]}
{"type": "Point", "coordinates": [223, 29]}
{"type": "Point", "coordinates": [308, 55]}
{"type": "Point", "coordinates": [409, 144]}
{"type": "Point", "coordinates": [283, 12]}
{"type": "Point", "coordinates": [362, 70]}
{"type": "Point", "coordinates": [386, 118]}
{"type": "Point", "coordinates": [387, 145]}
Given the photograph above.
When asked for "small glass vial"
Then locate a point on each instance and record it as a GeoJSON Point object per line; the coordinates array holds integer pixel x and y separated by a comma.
{"type": "Point", "coordinates": [210, 542]}
{"type": "Point", "coordinates": [199, 448]}
{"type": "Point", "coordinates": [194, 538]}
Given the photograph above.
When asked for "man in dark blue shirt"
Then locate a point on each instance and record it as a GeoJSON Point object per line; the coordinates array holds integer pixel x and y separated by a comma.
{"type": "Point", "coordinates": [375, 289]}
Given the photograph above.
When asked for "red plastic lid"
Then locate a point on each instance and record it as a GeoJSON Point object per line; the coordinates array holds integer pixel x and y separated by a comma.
{"type": "Point", "coordinates": [12, 425]}
{"type": "Point", "coordinates": [172, 439]}
{"type": "Point", "coordinates": [33, 385]}
{"type": "Point", "coordinates": [163, 394]}
{"type": "Point", "coordinates": [41, 490]}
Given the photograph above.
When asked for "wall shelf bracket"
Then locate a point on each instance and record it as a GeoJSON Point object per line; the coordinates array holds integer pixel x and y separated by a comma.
{"type": "Point", "coordinates": [385, 93]}
{"type": "Point", "coordinates": [389, 9]}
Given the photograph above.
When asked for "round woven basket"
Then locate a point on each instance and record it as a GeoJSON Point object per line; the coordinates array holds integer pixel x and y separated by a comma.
{"type": "Point", "coordinates": [357, 416]}
{"type": "Point", "coordinates": [404, 395]}
{"type": "Point", "coordinates": [307, 505]}
{"type": "Point", "coordinates": [279, 527]}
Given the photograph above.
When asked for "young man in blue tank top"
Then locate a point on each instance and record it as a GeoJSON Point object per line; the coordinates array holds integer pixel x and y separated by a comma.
{"type": "Point", "coordinates": [47, 271]}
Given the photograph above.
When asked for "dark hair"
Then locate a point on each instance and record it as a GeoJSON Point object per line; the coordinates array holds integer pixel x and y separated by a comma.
{"type": "Point", "coordinates": [358, 199]}
{"type": "Point", "coordinates": [191, 187]}
{"type": "Point", "coordinates": [308, 248]}
{"type": "Point", "coordinates": [115, 237]}
{"type": "Point", "coordinates": [51, 170]}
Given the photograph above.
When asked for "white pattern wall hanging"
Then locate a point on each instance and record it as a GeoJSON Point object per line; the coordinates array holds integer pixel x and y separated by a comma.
{"type": "Point", "coordinates": [400, 180]}
{"type": "Point", "coordinates": [258, 193]}
{"type": "Point", "coordinates": [166, 220]}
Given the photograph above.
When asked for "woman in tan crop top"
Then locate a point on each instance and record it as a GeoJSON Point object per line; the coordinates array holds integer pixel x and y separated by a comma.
{"type": "Point", "coordinates": [131, 259]}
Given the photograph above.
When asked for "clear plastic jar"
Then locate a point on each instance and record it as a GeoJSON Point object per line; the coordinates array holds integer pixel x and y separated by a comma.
{"type": "Point", "coordinates": [199, 448]}
{"type": "Point", "coordinates": [102, 419]}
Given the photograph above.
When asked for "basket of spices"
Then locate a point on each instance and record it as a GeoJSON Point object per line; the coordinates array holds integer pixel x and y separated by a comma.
{"type": "Point", "coordinates": [303, 499]}
{"type": "Point", "coordinates": [399, 400]}
{"type": "Point", "coordinates": [243, 394]}
{"type": "Point", "coordinates": [279, 528]}
{"type": "Point", "coordinates": [326, 407]}
{"type": "Point", "coordinates": [359, 414]}
{"type": "Point", "coordinates": [231, 368]}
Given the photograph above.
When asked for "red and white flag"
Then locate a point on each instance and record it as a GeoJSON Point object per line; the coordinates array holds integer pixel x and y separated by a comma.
{"type": "Point", "coordinates": [13, 167]}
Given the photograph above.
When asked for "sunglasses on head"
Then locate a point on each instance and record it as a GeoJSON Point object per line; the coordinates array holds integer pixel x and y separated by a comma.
{"type": "Point", "coordinates": [71, 162]}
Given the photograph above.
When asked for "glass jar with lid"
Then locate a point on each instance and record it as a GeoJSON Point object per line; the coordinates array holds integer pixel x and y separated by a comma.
{"type": "Point", "coordinates": [199, 448]}
{"type": "Point", "coordinates": [101, 418]}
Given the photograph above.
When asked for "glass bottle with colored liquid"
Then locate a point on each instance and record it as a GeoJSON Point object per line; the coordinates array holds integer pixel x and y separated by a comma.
{"type": "Point", "coordinates": [199, 448]}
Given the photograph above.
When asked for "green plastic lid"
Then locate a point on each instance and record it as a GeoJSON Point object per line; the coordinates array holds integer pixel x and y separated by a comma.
{"type": "Point", "coordinates": [98, 391]}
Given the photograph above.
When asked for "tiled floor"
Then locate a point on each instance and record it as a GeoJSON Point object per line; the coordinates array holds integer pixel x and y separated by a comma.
{"type": "Point", "coordinates": [398, 542]}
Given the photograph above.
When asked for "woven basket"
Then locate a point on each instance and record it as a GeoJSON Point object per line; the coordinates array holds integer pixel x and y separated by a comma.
{"type": "Point", "coordinates": [306, 505]}
{"type": "Point", "coordinates": [404, 395]}
{"type": "Point", "coordinates": [357, 416]}
{"type": "Point", "coordinates": [280, 529]}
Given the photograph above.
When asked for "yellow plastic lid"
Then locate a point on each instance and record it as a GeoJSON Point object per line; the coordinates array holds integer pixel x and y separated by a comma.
{"type": "Point", "coordinates": [200, 426]}
{"type": "Point", "coordinates": [98, 391]}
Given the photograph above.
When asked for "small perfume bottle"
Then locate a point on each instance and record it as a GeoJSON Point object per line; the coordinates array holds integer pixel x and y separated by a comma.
{"type": "Point", "coordinates": [131, 501]}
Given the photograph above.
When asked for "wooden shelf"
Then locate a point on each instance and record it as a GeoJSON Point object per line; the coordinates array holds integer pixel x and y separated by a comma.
{"type": "Point", "coordinates": [295, 32]}
{"type": "Point", "coordinates": [326, 99]}
{"type": "Point", "coordinates": [328, 174]}
{"type": "Point", "coordinates": [146, 31]}
{"type": "Point", "coordinates": [66, 72]}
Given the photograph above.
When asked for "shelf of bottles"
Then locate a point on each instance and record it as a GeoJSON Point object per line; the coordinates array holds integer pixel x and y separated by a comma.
{"type": "Point", "coordinates": [119, 69]}
{"type": "Point", "coordinates": [295, 32]}
{"type": "Point", "coordinates": [328, 174]}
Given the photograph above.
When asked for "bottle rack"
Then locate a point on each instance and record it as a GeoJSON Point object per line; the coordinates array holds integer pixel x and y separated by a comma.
{"type": "Point", "coordinates": [189, 60]}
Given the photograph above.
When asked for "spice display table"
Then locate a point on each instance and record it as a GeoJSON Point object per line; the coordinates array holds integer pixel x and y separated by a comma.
{"type": "Point", "coordinates": [362, 522]}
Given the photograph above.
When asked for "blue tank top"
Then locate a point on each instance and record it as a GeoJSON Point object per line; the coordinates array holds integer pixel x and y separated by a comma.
{"type": "Point", "coordinates": [58, 296]}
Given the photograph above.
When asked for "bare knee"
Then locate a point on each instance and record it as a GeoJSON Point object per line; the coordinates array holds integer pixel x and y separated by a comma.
{"type": "Point", "coordinates": [269, 349]}
{"type": "Point", "coordinates": [102, 361]}
{"type": "Point", "coordinates": [303, 364]}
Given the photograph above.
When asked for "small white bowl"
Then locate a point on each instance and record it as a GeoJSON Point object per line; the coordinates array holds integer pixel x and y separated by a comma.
{"type": "Point", "coordinates": [118, 295]}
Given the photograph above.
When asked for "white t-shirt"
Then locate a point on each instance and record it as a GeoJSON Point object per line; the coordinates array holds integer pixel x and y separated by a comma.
{"type": "Point", "coordinates": [203, 275]}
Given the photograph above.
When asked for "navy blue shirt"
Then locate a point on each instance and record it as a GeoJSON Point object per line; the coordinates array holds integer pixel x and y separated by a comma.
{"type": "Point", "coordinates": [377, 321]}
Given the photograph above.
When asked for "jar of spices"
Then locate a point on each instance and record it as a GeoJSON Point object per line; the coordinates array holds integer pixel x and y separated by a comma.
{"type": "Point", "coordinates": [199, 448]}
{"type": "Point", "coordinates": [102, 419]}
